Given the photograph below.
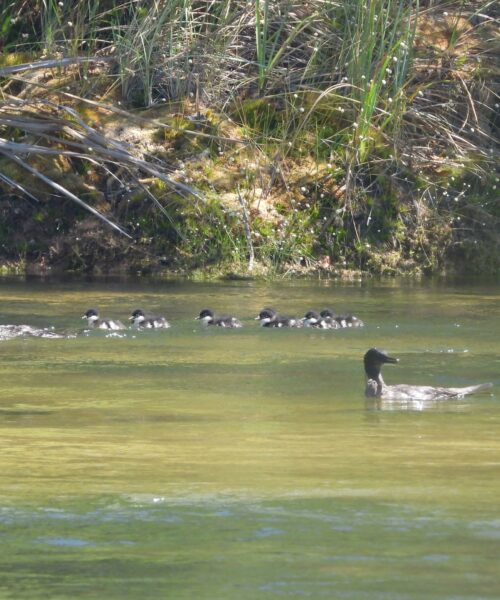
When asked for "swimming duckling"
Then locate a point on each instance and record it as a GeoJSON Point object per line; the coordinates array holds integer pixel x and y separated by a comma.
{"type": "Point", "coordinates": [376, 387]}
{"type": "Point", "coordinates": [147, 321]}
{"type": "Point", "coordinates": [268, 317]}
{"type": "Point", "coordinates": [94, 322]}
{"type": "Point", "coordinates": [313, 319]}
{"type": "Point", "coordinates": [342, 320]}
{"type": "Point", "coordinates": [208, 317]}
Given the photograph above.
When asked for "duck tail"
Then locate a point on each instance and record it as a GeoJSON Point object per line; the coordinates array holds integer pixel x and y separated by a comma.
{"type": "Point", "coordinates": [472, 389]}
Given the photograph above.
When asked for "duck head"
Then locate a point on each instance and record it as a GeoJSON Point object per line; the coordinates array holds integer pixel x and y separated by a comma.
{"type": "Point", "coordinates": [137, 316]}
{"type": "Point", "coordinates": [266, 315]}
{"type": "Point", "coordinates": [91, 315]}
{"type": "Point", "coordinates": [206, 315]}
{"type": "Point", "coordinates": [374, 359]}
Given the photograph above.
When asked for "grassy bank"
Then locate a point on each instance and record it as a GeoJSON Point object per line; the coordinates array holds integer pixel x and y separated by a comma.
{"type": "Point", "coordinates": [250, 137]}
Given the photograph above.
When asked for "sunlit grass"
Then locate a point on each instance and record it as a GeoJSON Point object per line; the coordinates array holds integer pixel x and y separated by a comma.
{"type": "Point", "coordinates": [381, 94]}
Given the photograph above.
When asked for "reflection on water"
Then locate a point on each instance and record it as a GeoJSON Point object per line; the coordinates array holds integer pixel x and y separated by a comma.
{"type": "Point", "coordinates": [454, 405]}
{"type": "Point", "coordinates": [209, 463]}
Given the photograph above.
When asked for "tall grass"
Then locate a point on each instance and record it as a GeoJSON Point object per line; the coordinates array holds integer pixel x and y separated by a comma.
{"type": "Point", "coordinates": [378, 58]}
{"type": "Point", "coordinates": [355, 85]}
{"type": "Point", "coordinates": [139, 41]}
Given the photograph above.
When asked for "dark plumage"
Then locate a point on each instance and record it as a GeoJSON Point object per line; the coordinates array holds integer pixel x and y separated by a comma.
{"type": "Point", "coordinates": [208, 317]}
{"type": "Point", "coordinates": [377, 388]}
{"type": "Point", "coordinates": [147, 321]}
{"type": "Point", "coordinates": [313, 319]}
{"type": "Point", "coordinates": [268, 317]}
{"type": "Point", "coordinates": [341, 320]}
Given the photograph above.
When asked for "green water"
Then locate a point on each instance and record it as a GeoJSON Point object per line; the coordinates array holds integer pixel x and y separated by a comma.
{"type": "Point", "coordinates": [220, 464]}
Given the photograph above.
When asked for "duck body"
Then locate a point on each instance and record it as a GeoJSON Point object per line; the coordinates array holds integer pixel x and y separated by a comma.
{"type": "Point", "coordinates": [144, 320]}
{"type": "Point", "coordinates": [95, 322]}
{"type": "Point", "coordinates": [341, 320]}
{"type": "Point", "coordinates": [421, 392]}
{"type": "Point", "coordinates": [314, 320]}
{"type": "Point", "coordinates": [377, 388]}
{"type": "Point", "coordinates": [268, 317]}
{"type": "Point", "coordinates": [209, 318]}
{"type": "Point", "coordinates": [330, 319]}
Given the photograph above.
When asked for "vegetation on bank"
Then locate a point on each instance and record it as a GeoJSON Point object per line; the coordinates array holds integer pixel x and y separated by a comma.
{"type": "Point", "coordinates": [258, 137]}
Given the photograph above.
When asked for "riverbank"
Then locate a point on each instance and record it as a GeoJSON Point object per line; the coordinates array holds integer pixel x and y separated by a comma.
{"type": "Point", "coordinates": [319, 153]}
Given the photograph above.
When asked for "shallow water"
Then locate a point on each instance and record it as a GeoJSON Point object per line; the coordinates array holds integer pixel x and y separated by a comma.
{"type": "Point", "coordinates": [204, 463]}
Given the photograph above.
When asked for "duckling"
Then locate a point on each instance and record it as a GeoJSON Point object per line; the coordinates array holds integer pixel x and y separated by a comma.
{"type": "Point", "coordinates": [147, 321]}
{"type": "Point", "coordinates": [208, 317]}
{"type": "Point", "coordinates": [95, 322]}
{"type": "Point", "coordinates": [377, 388]}
{"type": "Point", "coordinates": [342, 320]}
{"type": "Point", "coordinates": [313, 319]}
{"type": "Point", "coordinates": [268, 317]}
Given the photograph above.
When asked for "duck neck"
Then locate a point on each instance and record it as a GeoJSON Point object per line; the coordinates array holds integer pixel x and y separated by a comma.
{"type": "Point", "coordinates": [375, 381]}
{"type": "Point", "coordinates": [374, 387]}
{"type": "Point", "coordinates": [380, 384]}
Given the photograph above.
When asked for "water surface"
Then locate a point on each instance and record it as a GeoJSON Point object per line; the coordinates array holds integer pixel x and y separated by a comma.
{"type": "Point", "coordinates": [205, 463]}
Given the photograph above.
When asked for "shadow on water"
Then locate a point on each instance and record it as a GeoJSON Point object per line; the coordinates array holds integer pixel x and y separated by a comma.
{"type": "Point", "coordinates": [23, 413]}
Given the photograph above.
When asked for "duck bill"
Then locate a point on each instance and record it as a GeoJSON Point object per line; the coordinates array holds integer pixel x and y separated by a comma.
{"type": "Point", "coordinates": [391, 360]}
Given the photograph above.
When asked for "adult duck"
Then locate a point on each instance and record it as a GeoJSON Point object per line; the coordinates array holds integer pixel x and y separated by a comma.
{"type": "Point", "coordinates": [377, 388]}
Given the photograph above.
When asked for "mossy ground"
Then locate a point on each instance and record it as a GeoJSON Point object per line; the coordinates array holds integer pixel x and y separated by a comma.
{"type": "Point", "coordinates": [360, 176]}
{"type": "Point", "coordinates": [300, 220]}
